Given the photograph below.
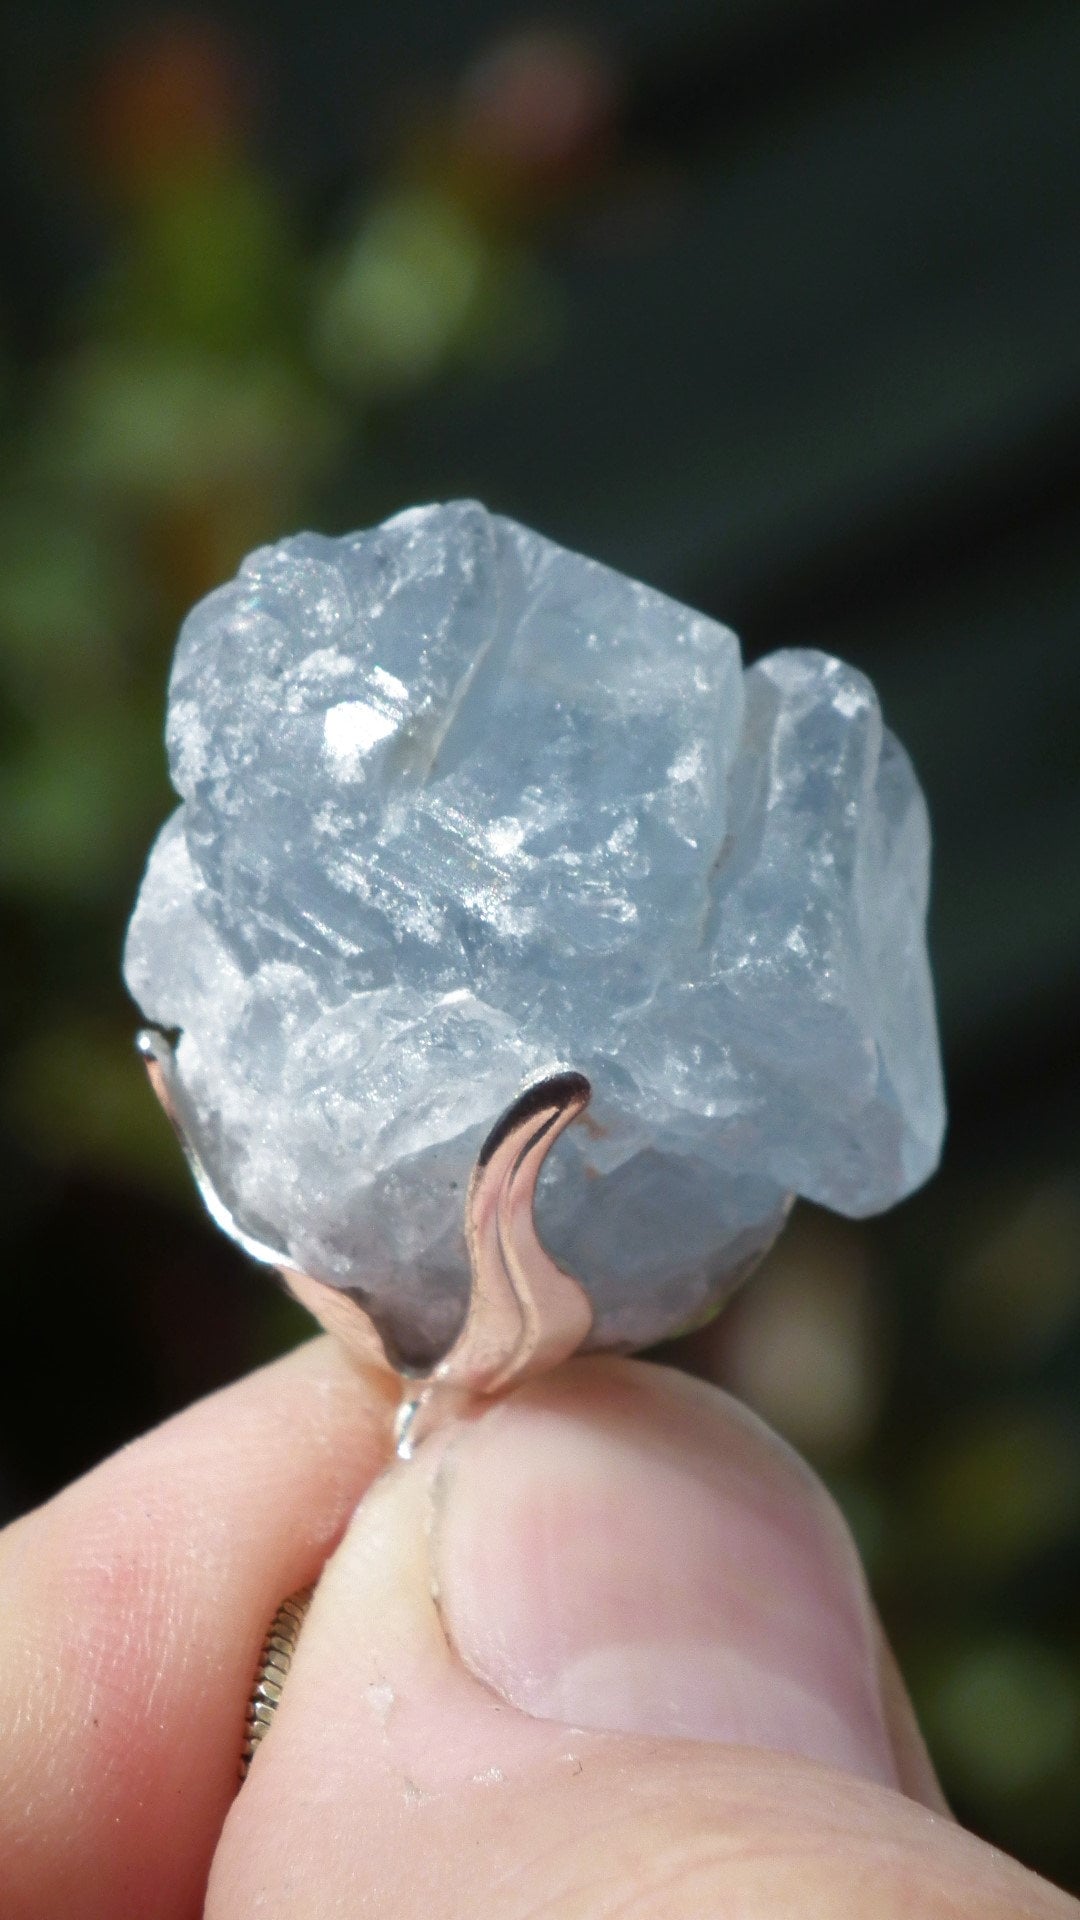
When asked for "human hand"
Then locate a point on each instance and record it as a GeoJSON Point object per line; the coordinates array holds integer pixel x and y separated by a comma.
{"type": "Point", "coordinates": [605, 1650]}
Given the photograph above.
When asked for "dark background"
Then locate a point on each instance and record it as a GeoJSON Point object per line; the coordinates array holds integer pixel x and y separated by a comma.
{"type": "Point", "coordinates": [773, 303]}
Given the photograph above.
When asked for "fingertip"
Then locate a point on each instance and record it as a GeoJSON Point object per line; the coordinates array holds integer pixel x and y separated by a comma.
{"type": "Point", "coordinates": [445, 1742]}
{"type": "Point", "coordinates": [135, 1603]}
{"type": "Point", "coordinates": [915, 1769]}
{"type": "Point", "coordinates": [662, 1564]}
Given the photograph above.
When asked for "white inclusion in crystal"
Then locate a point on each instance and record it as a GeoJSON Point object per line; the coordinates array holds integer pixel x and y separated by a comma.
{"type": "Point", "coordinates": [351, 730]}
{"type": "Point", "coordinates": [461, 808]}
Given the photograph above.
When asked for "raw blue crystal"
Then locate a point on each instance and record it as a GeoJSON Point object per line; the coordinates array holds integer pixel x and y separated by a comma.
{"type": "Point", "coordinates": [460, 808]}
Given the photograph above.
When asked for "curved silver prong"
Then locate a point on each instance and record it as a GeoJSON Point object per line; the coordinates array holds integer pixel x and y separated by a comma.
{"type": "Point", "coordinates": [524, 1315]}
{"type": "Point", "coordinates": [159, 1058]}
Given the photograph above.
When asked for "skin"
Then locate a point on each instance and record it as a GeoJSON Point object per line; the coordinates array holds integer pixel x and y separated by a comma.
{"type": "Point", "coordinates": [445, 1744]}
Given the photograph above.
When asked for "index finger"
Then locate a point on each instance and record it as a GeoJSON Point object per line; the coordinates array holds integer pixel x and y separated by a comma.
{"type": "Point", "coordinates": [132, 1608]}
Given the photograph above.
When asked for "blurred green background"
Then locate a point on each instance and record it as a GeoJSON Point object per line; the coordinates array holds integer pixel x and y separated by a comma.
{"type": "Point", "coordinates": [774, 303]}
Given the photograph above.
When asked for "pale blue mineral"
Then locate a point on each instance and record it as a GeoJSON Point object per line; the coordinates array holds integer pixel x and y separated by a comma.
{"type": "Point", "coordinates": [461, 808]}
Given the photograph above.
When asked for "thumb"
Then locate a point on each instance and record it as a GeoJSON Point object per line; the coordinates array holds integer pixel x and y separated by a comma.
{"type": "Point", "coordinates": [606, 1648]}
{"type": "Point", "coordinates": [632, 1550]}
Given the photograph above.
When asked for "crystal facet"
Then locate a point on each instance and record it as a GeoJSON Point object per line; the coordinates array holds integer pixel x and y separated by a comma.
{"type": "Point", "coordinates": [461, 809]}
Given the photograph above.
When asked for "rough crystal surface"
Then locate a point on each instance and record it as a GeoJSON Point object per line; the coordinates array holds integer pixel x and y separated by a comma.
{"type": "Point", "coordinates": [460, 808]}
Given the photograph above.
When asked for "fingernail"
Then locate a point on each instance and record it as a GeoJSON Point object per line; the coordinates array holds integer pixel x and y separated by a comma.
{"type": "Point", "coordinates": [621, 1548]}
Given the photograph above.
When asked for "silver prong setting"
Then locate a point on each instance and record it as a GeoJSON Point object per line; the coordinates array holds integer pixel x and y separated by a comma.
{"type": "Point", "coordinates": [525, 1314]}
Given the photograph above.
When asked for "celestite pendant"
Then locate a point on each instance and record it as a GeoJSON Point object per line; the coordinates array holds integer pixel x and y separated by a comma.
{"type": "Point", "coordinates": [465, 815]}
